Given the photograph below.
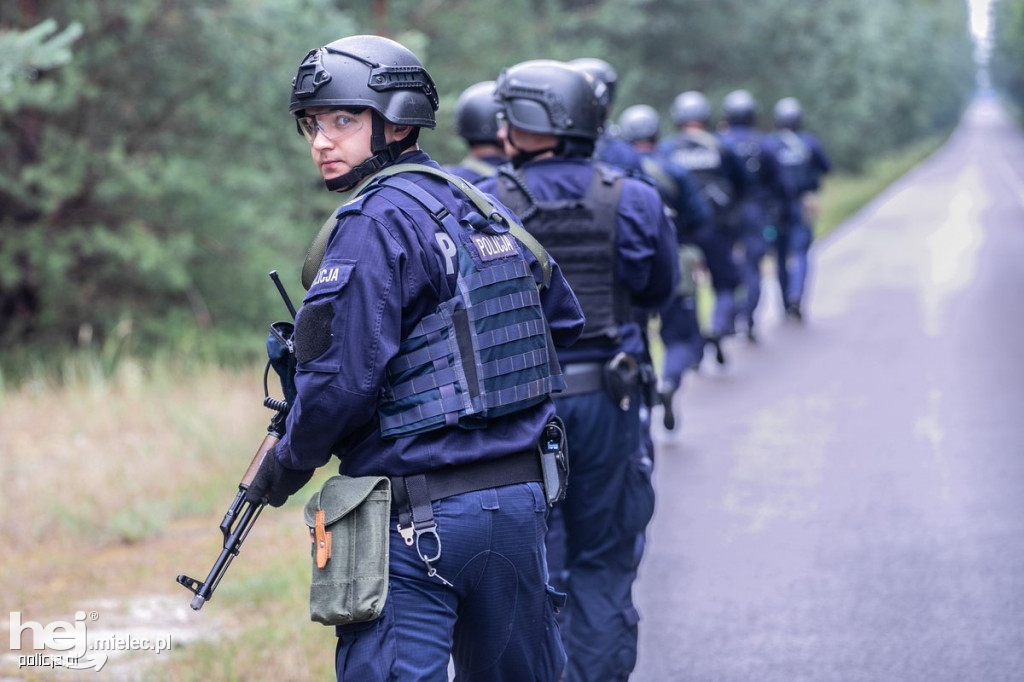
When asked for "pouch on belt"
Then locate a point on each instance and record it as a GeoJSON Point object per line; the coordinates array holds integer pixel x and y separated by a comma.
{"type": "Point", "coordinates": [348, 521]}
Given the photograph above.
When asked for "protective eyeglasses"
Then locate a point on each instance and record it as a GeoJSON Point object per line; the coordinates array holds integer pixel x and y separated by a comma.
{"type": "Point", "coordinates": [334, 125]}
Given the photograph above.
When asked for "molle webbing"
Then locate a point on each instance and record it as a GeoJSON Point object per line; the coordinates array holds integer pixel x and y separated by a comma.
{"type": "Point", "coordinates": [484, 353]}
{"type": "Point", "coordinates": [315, 253]}
{"type": "Point", "coordinates": [581, 236]}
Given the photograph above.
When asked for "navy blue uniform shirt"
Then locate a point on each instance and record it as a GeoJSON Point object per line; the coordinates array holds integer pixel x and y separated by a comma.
{"type": "Point", "coordinates": [646, 263]}
{"type": "Point", "coordinates": [381, 274]}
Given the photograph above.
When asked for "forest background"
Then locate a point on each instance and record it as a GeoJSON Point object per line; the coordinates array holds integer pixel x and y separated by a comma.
{"type": "Point", "coordinates": [151, 176]}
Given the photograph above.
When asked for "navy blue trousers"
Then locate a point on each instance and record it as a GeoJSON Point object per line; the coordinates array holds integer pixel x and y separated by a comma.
{"type": "Point", "coordinates": [683, 340]}
{"type": "Point", "coordinates": [792, 247]}
{"type": "Point", "coordinates": [596, 538]}
{"type": "Point", "coordinates": [496, 619]}
{"type": "Point", "coordinates": [717, 247]}
{"type": "Point", "coordinates": [755, 248]}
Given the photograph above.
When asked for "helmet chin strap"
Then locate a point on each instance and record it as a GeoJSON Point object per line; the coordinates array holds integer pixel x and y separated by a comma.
{"type": "Point", "coordinates": [384, 154]}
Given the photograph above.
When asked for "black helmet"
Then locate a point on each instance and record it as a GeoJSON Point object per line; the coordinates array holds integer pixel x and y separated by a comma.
{"type": "Point", "coordinates": [476, 114]}
{"type": "Point", "coordinates": [546, 96]}
{"type": "Point", "coordinates": [690, 106]}
{"type": "Point", "coordinates": [602, 72]}
{"type": "Point", "coordinates": [639, 122]}
{"type": "Point", "coordinates": [788, 113]}
{"type": "Point", "coordinates": [366, 71]}
{"type": "Point", "coordinates": [739, 108]}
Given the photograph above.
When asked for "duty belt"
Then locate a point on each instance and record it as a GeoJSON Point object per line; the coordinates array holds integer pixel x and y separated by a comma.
{"type": "Point", "coordinates": [582, 377]}
{"type": "Point", "coordinates": [619, 378]}
{"type": "Point", "coordinates": [411, 495]}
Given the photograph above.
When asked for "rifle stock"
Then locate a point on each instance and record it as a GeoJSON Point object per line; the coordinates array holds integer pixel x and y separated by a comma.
{"type": "Point", "coordinates": [237, 522]}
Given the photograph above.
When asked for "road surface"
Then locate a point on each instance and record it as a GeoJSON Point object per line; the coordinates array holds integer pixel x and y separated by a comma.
{"type": "Point", "coordinates": [845, 500]}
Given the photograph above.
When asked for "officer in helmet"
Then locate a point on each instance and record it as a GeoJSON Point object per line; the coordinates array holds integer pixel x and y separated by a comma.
{"type": "Point", "coordinates": [804, 163]}
{"type": "Point", "coordinates": [410, 267]}
{"type": "Point", "coordinates": [615, 242]}
{"type": "Point", "coordinates": [476, 122]}
{"type": "Point", "coordinates": [768, 191]}
{"type": "Point", "coordinates": [680, 331]}
{"type": "Point", "coordinates": [609, 147]}
{"type": "Point", "coordinates": [723, 180]}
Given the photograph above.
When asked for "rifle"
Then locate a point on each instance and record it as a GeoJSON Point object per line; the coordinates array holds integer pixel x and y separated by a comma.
{"type": "Point", "coordinates": [242, 514]}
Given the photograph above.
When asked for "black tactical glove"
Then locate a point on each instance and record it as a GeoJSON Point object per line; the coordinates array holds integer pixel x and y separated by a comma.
{"type": "Point", "coordinates": [274, 482]}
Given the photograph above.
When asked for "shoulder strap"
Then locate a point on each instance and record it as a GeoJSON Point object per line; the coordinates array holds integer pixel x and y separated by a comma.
{"type": "Point", "coordinates": [703, 138]}
{"type": "Point", "coordinates": [479, 166]}
{"type": "Point", "coordinates": [315, 255]}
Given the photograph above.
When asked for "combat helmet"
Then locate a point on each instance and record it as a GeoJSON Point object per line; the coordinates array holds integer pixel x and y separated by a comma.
{"type": "Point", "coordinates": [373, 72]}
{"type": "Point", "coordinates": [690, 106]}
{"type": "Point", "coordinates": [476, 114]}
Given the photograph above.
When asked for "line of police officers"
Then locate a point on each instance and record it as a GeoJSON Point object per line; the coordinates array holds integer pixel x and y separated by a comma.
{"type": "Point", "coordinates": [437, 350]}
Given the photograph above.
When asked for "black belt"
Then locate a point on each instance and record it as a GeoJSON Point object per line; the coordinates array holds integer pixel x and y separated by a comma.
{"type": "Point", "coordinates": [584, 377]}
{"type": "Point", "coordinates": [465, 478]}
{"type": "Point", "coordinates": [411, 495]}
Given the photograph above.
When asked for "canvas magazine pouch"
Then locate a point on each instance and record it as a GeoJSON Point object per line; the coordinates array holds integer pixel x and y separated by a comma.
{"type": "Point", "coordinates": [348, 526]}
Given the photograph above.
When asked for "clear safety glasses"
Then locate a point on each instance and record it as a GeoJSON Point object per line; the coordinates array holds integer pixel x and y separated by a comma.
{"type": "Point", "coordinates": [334, 125]}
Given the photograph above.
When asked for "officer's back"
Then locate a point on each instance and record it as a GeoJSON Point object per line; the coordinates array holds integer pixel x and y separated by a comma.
{"type": "Point", "coordinates": [613, 240]}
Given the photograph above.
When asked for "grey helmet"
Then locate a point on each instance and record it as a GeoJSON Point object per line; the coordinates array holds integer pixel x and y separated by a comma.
{"type": "Point", "coordinates": [788, 113]}
{"type": "Point", "coordinates": [690, 106]}
{"type": "Point", "coordinates": [602, 72]}
{"type": "Point", "coordinates": [739, 108]}
{"type": "Point", "coordinates": [639, 122]}
{"type": "Point", "coordinates": [551, 97]}
{"type": "Point", "coordinates": [373, 72]}
{"type": "Point", "coordinates": [476, 114]}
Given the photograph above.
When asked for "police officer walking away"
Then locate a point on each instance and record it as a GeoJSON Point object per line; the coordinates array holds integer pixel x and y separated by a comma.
{"type": "Point", "coordinates": [723, 180]}
{"type": "Point", "coordinates": [412, 268]}
{"type": "Point", "coordinates": [803, 162]}
{"type": "Point", "coordinates": [476, 122]}
{"type": "Point", "coordinates": [767, 191]}
{"type": "Point", "coordinates": [680, 331]}
{"type": "Point", "coordinates": [612, 237]}
{"type": "Point", "coordinates": [609, 148]}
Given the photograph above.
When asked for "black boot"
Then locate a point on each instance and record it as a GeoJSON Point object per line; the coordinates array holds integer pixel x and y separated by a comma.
{"type": "Point", "coordinates": [716, 341]}
{"type": "Point", "coordinates": [668, 417]}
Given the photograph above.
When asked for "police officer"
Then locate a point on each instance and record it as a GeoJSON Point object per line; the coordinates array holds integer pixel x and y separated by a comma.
{"type": "Point", "coordinates": [476, 122]}
{"type": "Point", "coordinates": [767, 191]}
{"type": "Point", "coordinates": [609, 148]}
{"type": "Point", "coordinates": [616, 245]}
{"type": "Point", "coordinates": [405, 254]}
{"type": "Point", "coordinates": [720, 174]}
{"type": "Point", "coordinates": [680, 332]}
{"type": "Point", "coordinates": [803, 163]}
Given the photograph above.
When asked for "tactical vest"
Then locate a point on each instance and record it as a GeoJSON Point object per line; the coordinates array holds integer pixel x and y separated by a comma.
{"type": "Point", "coordinates": [795, 160]}
{"type": "Point", "coordinates": [749, 152]}
{"type": "Point", "coordinates": [581, 236]}
{"type": "Point", "coordinates": [700, 153]}
{"type": "Point", "coordinates": [487, 350]}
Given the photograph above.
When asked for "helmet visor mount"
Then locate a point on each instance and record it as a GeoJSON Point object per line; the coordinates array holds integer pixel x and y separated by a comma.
{"type": "Point", "coordinates": [315, 74]}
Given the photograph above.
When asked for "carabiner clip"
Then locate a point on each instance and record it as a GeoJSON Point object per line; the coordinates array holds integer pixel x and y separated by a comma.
{"type": "Point", "coordinates": [428, 530]}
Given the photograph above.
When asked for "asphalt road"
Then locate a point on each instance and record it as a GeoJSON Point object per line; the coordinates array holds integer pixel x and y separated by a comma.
{"type": "Point", "coordinates": [845, 500]}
